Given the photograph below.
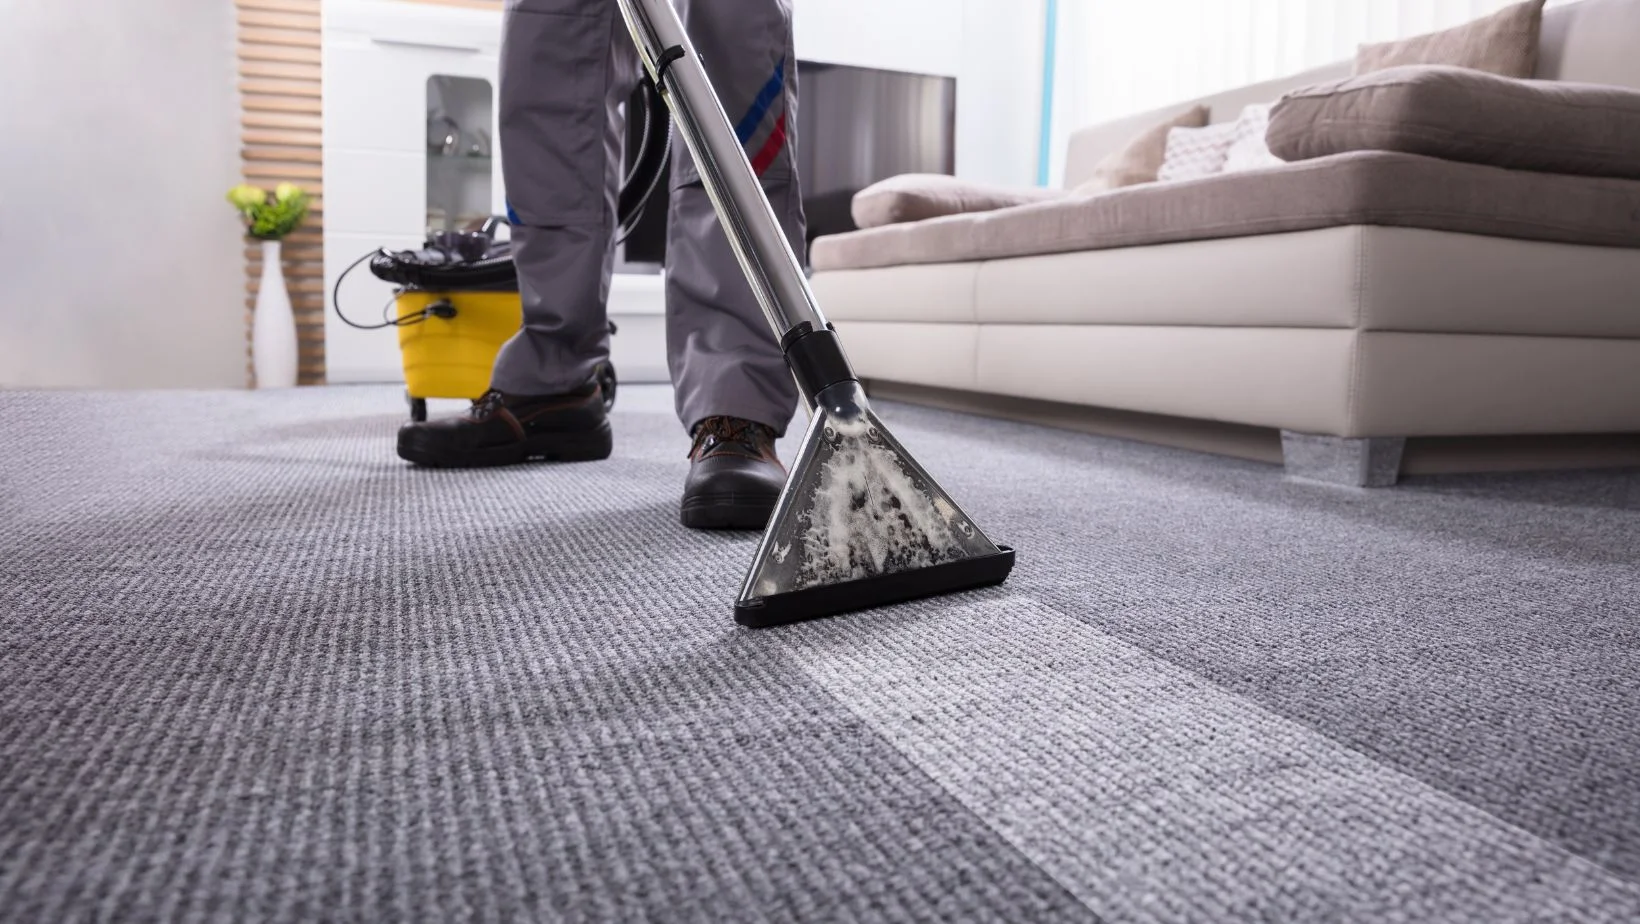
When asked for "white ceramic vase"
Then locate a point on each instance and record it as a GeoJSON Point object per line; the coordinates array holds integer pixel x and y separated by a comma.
{"type": "Point", "coordinates": [273, 328]}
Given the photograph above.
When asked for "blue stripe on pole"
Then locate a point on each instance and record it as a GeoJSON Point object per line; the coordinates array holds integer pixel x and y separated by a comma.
{"type": "Point", "coordinates": [1044, 150]}
{"type": "Point", "coordinates": [747, 126]}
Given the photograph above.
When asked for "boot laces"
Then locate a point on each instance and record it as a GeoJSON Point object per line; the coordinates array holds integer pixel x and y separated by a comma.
{"type": "Point", "coordinates": [730, 433]}
{"type": "Point", "coordinates": [486, 404]}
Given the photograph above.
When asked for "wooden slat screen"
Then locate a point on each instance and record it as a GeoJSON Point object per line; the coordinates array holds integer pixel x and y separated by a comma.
{"type": "Point", "coordinates": [280, 138]}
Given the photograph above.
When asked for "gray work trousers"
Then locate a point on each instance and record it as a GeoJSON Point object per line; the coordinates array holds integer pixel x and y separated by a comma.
{"type": "Point", "coordinates": [566, 65]}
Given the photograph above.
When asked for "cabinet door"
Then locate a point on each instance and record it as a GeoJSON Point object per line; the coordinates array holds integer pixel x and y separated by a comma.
{"type": "Point", "coordinates": [460, 113]}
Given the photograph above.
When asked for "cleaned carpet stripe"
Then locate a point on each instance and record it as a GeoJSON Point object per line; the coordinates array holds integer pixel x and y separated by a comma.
{"type": "Point", "coordinates": [1155, 795]}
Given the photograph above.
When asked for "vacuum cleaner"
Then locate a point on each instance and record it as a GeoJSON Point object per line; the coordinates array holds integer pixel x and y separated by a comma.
{"type": "Point", "coordinates": [859, 523]}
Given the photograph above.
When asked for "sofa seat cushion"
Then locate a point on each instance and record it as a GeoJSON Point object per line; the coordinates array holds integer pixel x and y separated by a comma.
{"type": "Point", "coordinates": [1460, 114]}
{"type": "Point", "coordinates": [1359, 188]}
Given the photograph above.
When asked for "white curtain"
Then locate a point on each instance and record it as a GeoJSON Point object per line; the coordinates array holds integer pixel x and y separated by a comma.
{"type": "Point", "coordinates": [1117, 57]}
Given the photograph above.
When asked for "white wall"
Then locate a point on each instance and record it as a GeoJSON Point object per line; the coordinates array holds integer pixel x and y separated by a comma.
{"type": "Point", "coordinates": [992, 47]}
{"type": "Point", "coordinates": [120, 262]}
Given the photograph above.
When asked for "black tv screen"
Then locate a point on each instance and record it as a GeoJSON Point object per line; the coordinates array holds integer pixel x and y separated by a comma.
{"type": "Point", "coordinates": [855, 126]}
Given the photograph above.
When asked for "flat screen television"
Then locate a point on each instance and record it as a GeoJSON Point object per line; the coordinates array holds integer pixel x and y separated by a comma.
{"type": "Point", "coordinates": [855, 126]}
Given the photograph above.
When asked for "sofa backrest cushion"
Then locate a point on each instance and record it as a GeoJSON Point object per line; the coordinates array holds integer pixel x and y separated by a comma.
{"type": "Point", "coordinates": [1457, 113]}
{"type": "Point", "coordinates": [1505, 43]}
{"type": "Point", "coordinates": [1588, 41]}
{"type": "Point", "coordinates": [1591, 41]}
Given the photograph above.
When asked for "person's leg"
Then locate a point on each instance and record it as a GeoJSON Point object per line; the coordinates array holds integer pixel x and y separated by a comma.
{"type": "Point", "coordinates": [565, 67]}
{"type": "Point", "coordinates": [734, 392]}
{"type": "Point", "coordinates": [724, 359]}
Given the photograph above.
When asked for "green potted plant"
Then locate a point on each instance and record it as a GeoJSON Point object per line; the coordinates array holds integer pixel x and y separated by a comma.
{"type": "Point", "coordinates": [270, 218]}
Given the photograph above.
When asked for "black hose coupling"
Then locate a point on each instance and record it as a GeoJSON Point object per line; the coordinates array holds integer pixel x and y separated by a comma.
{"type": "Point", "coordinates": [816, 358]}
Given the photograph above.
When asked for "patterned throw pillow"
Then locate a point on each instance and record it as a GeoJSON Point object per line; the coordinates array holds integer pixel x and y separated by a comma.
{"type": "Point", "coordinates": [1196, 152]}
{"type": "Point", "coordinates": [1249, 150]}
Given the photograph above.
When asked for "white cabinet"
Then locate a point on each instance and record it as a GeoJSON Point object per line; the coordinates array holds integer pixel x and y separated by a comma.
{"type": "Point", "coordinates": [378, 56]}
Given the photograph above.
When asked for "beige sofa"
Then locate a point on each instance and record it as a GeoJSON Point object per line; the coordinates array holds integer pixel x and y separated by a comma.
{"type": "Point", "coordinates": [1354, 316]}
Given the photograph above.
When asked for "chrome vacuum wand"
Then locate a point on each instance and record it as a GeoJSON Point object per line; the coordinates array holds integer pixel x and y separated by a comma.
{"type": "Point", "coordinates": [859, 523]}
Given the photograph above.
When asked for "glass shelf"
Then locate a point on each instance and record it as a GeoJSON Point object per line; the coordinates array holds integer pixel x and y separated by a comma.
{"type": "Point", "coordinates": [460, 111]}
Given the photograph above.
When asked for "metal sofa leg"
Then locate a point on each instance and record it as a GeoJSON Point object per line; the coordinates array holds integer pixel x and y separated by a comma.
{"type": "Point", "coordinates": [1374, 462]}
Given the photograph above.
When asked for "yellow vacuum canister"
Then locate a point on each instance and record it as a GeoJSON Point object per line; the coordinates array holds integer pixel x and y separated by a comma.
{"type": "Point", "coordinates": [449, 353]}
{"type": "Point", "coordinates": [455, 302]}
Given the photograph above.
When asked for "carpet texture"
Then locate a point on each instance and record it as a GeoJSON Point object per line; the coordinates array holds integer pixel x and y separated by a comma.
{"type": "Point", "coordinates": [252, 668]}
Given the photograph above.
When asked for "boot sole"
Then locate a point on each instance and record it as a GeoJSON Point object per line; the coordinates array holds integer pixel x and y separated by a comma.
{"type": "Point", "coordinates": [588, 446]}
{"type": "Point", "coordinates": [727, 511]}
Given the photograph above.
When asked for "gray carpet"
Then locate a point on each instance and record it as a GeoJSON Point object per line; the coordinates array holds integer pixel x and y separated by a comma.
{"type": "Point", "coordinates": [254, 669]}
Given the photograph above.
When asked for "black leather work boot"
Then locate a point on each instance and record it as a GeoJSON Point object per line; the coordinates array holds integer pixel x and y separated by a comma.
{"type": "Point", "coordinates": [502, 429]}
{"type": "Point", "coordinates": [734, 477]}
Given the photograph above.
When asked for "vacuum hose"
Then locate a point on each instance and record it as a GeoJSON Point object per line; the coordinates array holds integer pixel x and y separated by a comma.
{"type": "Point", "coordinates": [654, 146]}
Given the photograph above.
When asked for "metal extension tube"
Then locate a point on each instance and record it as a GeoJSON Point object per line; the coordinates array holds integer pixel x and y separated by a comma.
{"type": "Point", "coordinates": [774, 272]}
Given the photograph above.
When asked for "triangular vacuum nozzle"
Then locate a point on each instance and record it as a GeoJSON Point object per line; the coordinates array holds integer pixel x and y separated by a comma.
{"type": "Point", "coordinates": [861, 524]}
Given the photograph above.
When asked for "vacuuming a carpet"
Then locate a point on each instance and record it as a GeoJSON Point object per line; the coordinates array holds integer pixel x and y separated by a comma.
{"type": "Point", "coordinates": [255, 668]}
